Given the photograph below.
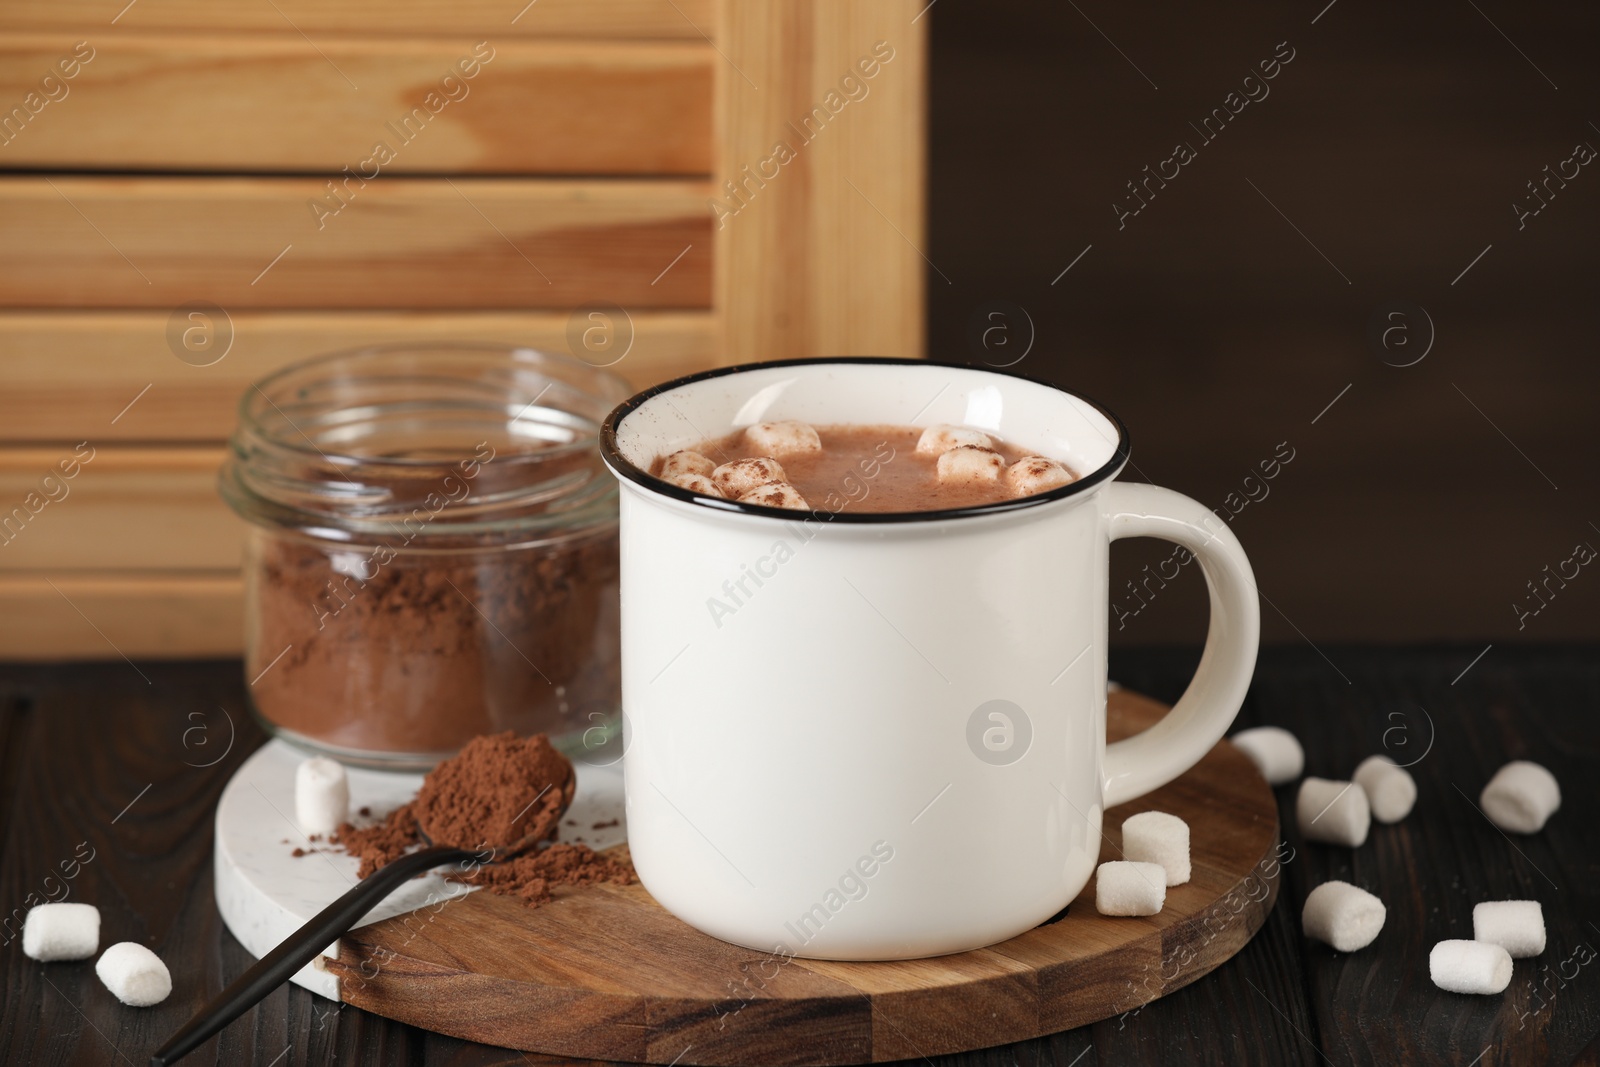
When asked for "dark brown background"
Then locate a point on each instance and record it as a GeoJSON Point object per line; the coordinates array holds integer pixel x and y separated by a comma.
{"type": "Point", "coordinates": [1397, 140]}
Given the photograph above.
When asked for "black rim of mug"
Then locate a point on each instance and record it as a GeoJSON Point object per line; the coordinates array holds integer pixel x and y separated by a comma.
{"type": "Point", "coordinates": [615, 460]}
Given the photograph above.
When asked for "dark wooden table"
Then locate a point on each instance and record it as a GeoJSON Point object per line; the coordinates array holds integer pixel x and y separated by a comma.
{"type": "Point", "coordinates": [109, 774]}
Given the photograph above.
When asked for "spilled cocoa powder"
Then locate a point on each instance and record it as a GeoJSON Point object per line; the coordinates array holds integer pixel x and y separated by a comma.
{"type": "Point", "coordinates": [499, 790]}
{"type": "Point", "coordinates": [531, 876]}
{"type": "Point", "coordinates": [382, 843]}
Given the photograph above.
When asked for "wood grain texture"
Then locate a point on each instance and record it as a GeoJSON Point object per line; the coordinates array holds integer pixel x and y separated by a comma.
{"type": "Point", "coordinates": [66, 375]}
{"type": "Point", "coordinates": [605, 972]}
{"type": "Point", "coordinates": [98, 615]}
{"type": "Point", "coordinates": [668, 19]}
{"type": "Point", "coordinates": [821, 254]}
{"type": "Point", "coordinates": [128, 508]}
{"type": "Point", "coordinates": [1446, 857]}
{"type": "Point", "coordinates": [79, 741]}
{"type": "Point", "coordinates": [404, 242]}
{"type": "Point", "coordinates": [280, 102]}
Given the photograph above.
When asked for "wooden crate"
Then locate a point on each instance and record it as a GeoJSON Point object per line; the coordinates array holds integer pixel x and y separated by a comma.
{"type": "Point", "coordinates": [745, 177]}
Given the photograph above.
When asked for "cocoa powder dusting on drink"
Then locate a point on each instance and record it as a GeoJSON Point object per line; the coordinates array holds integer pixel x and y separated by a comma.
{"type": "Point", "coordinates": [498, 791]}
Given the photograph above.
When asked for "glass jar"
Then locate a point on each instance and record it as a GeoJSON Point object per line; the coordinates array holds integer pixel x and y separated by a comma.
{"type": "Point", "coordinates": [431, 552]}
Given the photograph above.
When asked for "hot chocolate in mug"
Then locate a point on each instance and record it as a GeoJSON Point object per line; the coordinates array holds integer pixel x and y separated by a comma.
{"type": "Point", "coordinates": [871, 736]}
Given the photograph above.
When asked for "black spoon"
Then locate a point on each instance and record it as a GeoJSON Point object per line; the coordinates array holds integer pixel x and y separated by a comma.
{"type": "Point", "coordinates": [304, 945]}
{"type": "Point", "coordinates": [333, 922]}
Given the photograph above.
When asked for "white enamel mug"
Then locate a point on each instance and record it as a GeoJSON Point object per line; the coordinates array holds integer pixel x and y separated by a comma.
{"type": "Point", "coordinates": [881, 736]}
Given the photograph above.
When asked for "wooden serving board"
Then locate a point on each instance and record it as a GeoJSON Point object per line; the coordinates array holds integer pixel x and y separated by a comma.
{"type": "Point", "coordinates": [605, 973]}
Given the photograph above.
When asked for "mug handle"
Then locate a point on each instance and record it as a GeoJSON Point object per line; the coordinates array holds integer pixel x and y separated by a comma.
{"type": "Point", "coordinates": [1154, 757]}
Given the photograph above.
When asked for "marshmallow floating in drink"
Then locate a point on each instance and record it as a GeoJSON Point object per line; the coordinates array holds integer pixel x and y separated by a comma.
{"type": "Point", "coordinates": [937, 440]}
{"type": "Point", "coordinates": [738, 477]}
{"type": "Point", "coordinates": [1469, 967]}
{"type": "Point", "coordinates": [1515, 925]}
{"type": "Point", "coordinates": [1123, 887]}
{"type": "Point", "coordinates": [774, 495]}
{"type": "Point", "coordinates": [782, 438]}
{"type": "Point", "coordinates": [686, 462]}
{"type": "Point", "coordinates": [1156, 837]}
{"type": "Point", "coordinates": [1391, 791]}
{"type": "Point", "coordinates": [1036, 474]}
{"type": "Point", "coordinates": [134, 974]}
{"type": "Point", "coordinates": [1342, 915]}
{"type": "Point", "coordinates": [695, 483]}
{"type": "Point", "coordinates": [321, 795]}
{"type": "Point", "coordinates": [1333, 812]}
{"type": "Point", "coordinates": [1274, 750]}
{"type": "Point", "coordinates": [61, 932]}
{"type": "Point", "coordinates": [969, 464]}
{"type": "Point", "coordinates": [1521, 797]}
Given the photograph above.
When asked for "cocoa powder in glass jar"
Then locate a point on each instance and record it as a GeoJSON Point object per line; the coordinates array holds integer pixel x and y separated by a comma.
{"type": "Point", "coordinates": [432, 552]}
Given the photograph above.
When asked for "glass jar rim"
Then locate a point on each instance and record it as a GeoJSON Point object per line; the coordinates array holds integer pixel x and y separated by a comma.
{"type": "Point", "coordinates": [354, 442]}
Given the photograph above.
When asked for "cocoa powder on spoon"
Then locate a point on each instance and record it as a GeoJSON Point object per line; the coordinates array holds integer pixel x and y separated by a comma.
{"type": "Point", "coordinates": [498, 790]}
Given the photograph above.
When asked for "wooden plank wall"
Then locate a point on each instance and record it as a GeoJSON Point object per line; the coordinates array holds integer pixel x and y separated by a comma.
{"type": "Point", "coordinates": [406, 242]}
{"type": "Point", "coordinates": [194, 195]}
{"type": "Point", "coordinates": [821, 246]}
{"type": "Point", "coordinates": [653, 100]}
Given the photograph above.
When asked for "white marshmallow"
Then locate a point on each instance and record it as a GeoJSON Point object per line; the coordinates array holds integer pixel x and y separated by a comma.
{"type": "Point", "coordinates": [321, 795]}
{"type": "Point", "coordinates": [134, 974]}
{"type": "Point", "coordinates": [970, 464]}
{"type": "Point", "coordinates": [1274, 750]}
{"type": "Point", "coordinates": [1521, 797]}
{"type": "Point", "coordinates": [1036, 474]}
{"type": "Point", "coordinates": [781, 438]}
{"type": "Point", "coordinates": [695, 483]}
{"type": "Point", "coordinates": [1469, 967]}
{"type": "Point", "coordinates": [1515, 925]}
{"type": "Point", "coordinates": [1334, 812]}
{"type": "Point", "coordinates": [742, 475]}
{"type": "Point", "coordinates": [686, 462]}
{"type": "Point", "coordinates": [1122, 887]}
{"type": "Point", "coordinates": [1391, 792]}
{"type": "Point", "coordinates": [61, 932]}
{"type": "Point", "coordinates": [937, 440]}
{"type": "Point", "coordinates": [774, 495]}
{"type": "Point", "coordinates": [1156, 837]}
{"type": "Point", "coordinates": [1342, 915]}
